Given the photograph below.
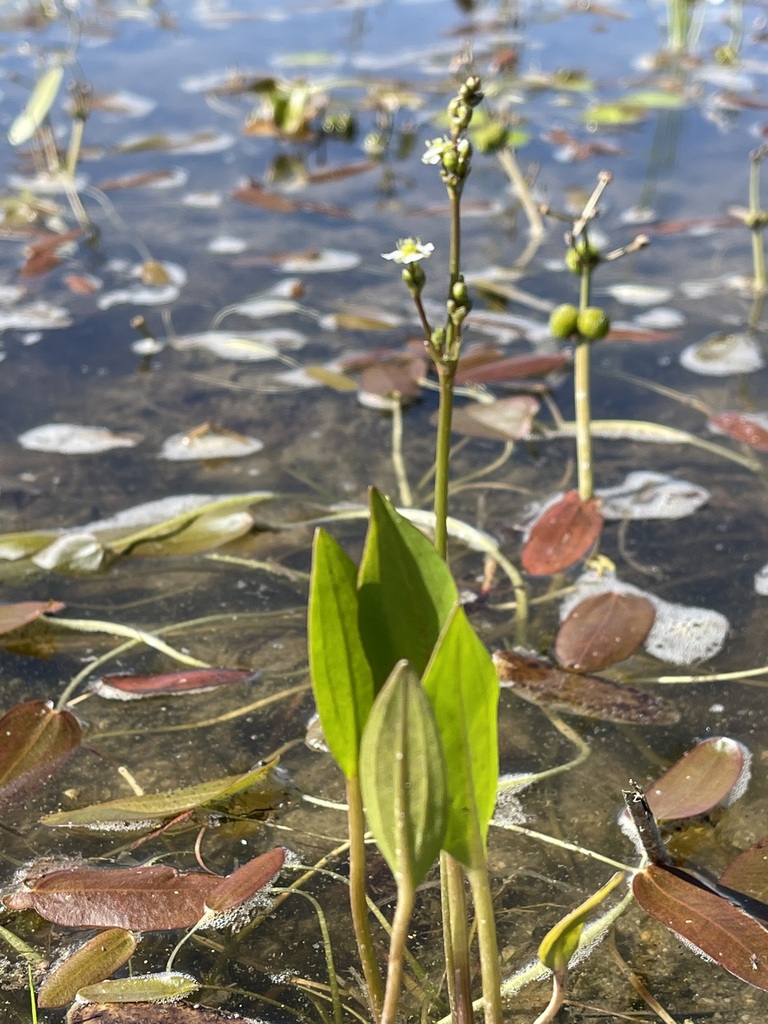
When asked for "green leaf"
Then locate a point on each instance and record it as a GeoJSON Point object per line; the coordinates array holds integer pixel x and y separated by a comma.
{"type": "Point", "coordinates": [91, 962]}
{"type": "Point", "coordinates": [463, 688]}
{"type": "Point", "coordinates": [37, 108]}
{"type": "Point", "coordinates": [341, 677]}
{"type": "Point", "coordinates": [561, 942]}
{"type": "Point", "coordinates": [403, 776]}
{"type": "Point", "coordinates": [406, 592]}
{"type": "Point", "coordinates": [207, 532]}
{"type": "Point", "coordinates": [141, 988]}
{"type": "Point", "coordinates": [612, 113]}
{"type": "Point", "coordinates": [136, 812]}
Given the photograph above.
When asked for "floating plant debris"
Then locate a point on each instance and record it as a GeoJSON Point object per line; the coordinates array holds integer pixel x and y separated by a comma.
{"type": "Point", "coordinates": [14, 616]}
{"type": "Point", "coordinates": [209, 441]}
{"type": "Point", "coordinates": [715, 771]}
{"type": "Point", "coordinates": [749, 428]}
{"type": "Point", "coordinates": [640, 294]}
{"type": "Point", "coordinates": [603, 630]}
{"type": "Point", "coordinates": [563, 534]}
{"type": "Point", "coordinates": [647, 495]}
{"type": "Point", "coordinates": [723, 355]}
{"type": "Point", "coordinates": [506, 419]}
{"type": "Point", "coordinates": [75, 439]}
{"type": "Point", "coordinates": [541, 682]}
{"type": "Point", "coordinates": [243, 347]}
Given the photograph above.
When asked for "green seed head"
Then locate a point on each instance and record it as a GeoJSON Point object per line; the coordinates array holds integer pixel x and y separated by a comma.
{"type": "Point", "coordinates": [563, 320]}
{"type": "Point", "coordinates": [582, 257]}
{"type": "Point", "coordinates": [592, 323]}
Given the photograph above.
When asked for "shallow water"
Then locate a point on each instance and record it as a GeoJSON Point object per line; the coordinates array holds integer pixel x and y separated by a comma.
{"type": "Point", "coordinates": [391, 66]}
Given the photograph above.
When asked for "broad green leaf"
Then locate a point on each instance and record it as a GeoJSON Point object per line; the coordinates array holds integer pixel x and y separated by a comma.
{"type": "Point", "coordinates": [561, 942]}
{"type": "Point", "coordinates": [91, 962]}
{"type": "Point", "coordinates": [141, 988]}
{"type": "Point", "coordinates": [612, 113]}
{"type": "Point", "coordinates": [136, 812]}
{"type": "Point", "coordinates": [403, 777]}
{"type": "Point", "coordinates": [341, 676]}
{"type": "Point", "coordinates": [654, 99]}
{"type": "Point", "coordinates": [406, 592]}
{"type": "Point", "coordinates": [37, 108]}
{"type": "Point", "coordinates": [463, 688]}
{"type": "Point", "coordinates": [14, 546]}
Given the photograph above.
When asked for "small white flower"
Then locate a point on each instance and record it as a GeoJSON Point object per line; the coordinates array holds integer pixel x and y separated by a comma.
{"type": "Point", "coordinates": [436, 149]}
{"type": "Point", "coordinates": [410, 250]}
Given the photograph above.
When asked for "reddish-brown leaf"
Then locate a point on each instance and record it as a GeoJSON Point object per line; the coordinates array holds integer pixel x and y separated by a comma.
{"type": "Point", "coordinates": [541, 682]}
{"type": "Point", "coordinates": [714, 769]}
{"type": "Point", "coordinates": [132, 687]}
{"type": "Point", "coordinates": [562, 535]}
{"type": "Point", "coordinates": [13, 616]}
{"type": "Point", "coordinates": [506, 419]}
{"type": "Point", "coordinates": [42, 255]}
{"type": "Point", "coordinates": [139, 180]}
{"type": "Point", "coordinates": [394, 378]}
{"type": "Point", "coordinates": [511, 368]}
{"type": "Point", "coordinates": [603, 630]}
{"type": "Point", "coordinates": [640, 335]}
{"type": "Point", "coordinates": [749, 872]}
{"type": "Point", "coordinates": [255, 195]}
{"type": "Point", "coordinates": [36, 741]}
{"type": "Point", "coordinates": [741, 427]}
{"type": "Point", "coordinates": [712, 924]}
{"type": "Point", "coordinates": [151, 1013]}
{"type": "Point", "coordinates": [243, 884]}
{"type": "Point", "coordinates": [141, 899]}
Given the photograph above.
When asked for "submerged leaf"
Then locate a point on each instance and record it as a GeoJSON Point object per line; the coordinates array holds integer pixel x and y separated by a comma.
{"type": "Point", "coordinates": [141, 899]}
{"type": "Point", "coordinates": [603, 630]}
{"type": "Point", "coordinates": [507, 419]}
{"type": "Point", "coordinates": [152, 1013]}
{"type": "Point", "coordinates": [541, 682]}
{"type": "Point", "coordinates": [749, 872]}
{"type": "Point", "coordinates": [36, 742]}
{"type": "Point", "coordinates": [749, 428]}
{"type": "Point", "coordinates": [561, 942]}
{"type": "Point", "coordinates": [91, 962]}
{"type": "Point", "coordinates": [562, 535]}
{"type": "Point", "coordinates": [74, 439]}
{"type": "Point", "coordinates": [646, 495]}
{"type": "Point", "coordinates": [712, 925]}
{"type": "Point", "coordinates": [723, 355]}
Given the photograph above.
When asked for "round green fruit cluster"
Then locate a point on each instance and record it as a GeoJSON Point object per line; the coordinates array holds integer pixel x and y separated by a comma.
{"type": "Point", "coordinates": [592, 323]}
{"type": "Point", "coordinates": [563, 320]}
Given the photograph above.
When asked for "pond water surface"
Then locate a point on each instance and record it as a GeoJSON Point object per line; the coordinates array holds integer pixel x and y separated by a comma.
{"type": "Point", "coordinates": [195, 195]}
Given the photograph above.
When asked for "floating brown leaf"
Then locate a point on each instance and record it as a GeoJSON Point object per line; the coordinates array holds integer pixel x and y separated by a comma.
{"type": "Point", "coordinates": [13, 616]}
{"type": "Point", "coordinates": [401, 379]}
{"type": "Point", "coordinates": [541, 682]}
{"type": "Point", "coordinates": [513, 368]}
{"type": "Point", "coordinates": [562, 535]}
{"type": "Point", "coordinates": [93, 961]}
{"type": "Point", "coordinates": [243, 884]}
{"type": "Point", "coordinates": [133, 687]}
{"type": "Point", "coordinates": [603, 630]}
{"type": "Point", "coordinates": [43, 255]}
{"type": "Point", "coordinates": [255, 195]}
{"type": "Point", "coordinates": [704, 776]}
{"type": "Point", "coordinates": [36, 742]}
{"type": "Point", "coordinates": [141, 899]}
{"type": "Point", "coordinates": [151, 1013]}
{"type": "Point", "coordinates": [507, 419]}
{"type": "Point", "coordinates": [749, 872]}
{"type": "Point", "coordinates": [712, 924]}
{"type": "Point", "coordinates": [742, 428]}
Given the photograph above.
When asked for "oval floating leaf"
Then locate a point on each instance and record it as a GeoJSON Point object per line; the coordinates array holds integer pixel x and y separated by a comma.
{"type": "Point", "coordinates": [242, 885]}
{"type": "Point", "coordinates": [749, 429]}
{"type": "Point", "coordinates": [562, 535]}
{"type": "Point", "coordinates": [541, 682]}
{"type": "Point", "coordinates": [134, 687]}
{"type": "Point", "coordinates": [93, 961]}
{"type": "Point", "coordinates": [36, 742]}
{"type": "Point", "coordinates": [13, 616]}
{"type": "Point", "coordinates": [711, 924]}
{"type": "Point", "coordinates": [403, 777]}
{"type": "Point", "coordinates": [715, 769]}
{"type": "Point", "coordinates": [142, 899]}
{"type": "Point", "coordinates": [603, 630]}
{"type": "Point", "coordinates": [507, 419]}
{"type": "Point", "coordinates": [141, 988]}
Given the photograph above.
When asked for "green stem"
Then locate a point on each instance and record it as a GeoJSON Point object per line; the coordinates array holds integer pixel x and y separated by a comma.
{"type": "Point", "coordinates": [456, 939]}
{"type": "Point", "coordinates": [398, 463]}
{"type": "Point", "coordinates": [446, 373]}
{"type": "Point", "coordinates": [357, 897]}
{"type": "Point", "coordinates": [454, 259]}
{"type": "Point", "coordinates": [406, 897]}
{"type": "Point", "coordinates": [486, 934]}
{"type": "Point", "coordinates": [758, 252]}
{"type": "Point", "coordinates": [582, 400]}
